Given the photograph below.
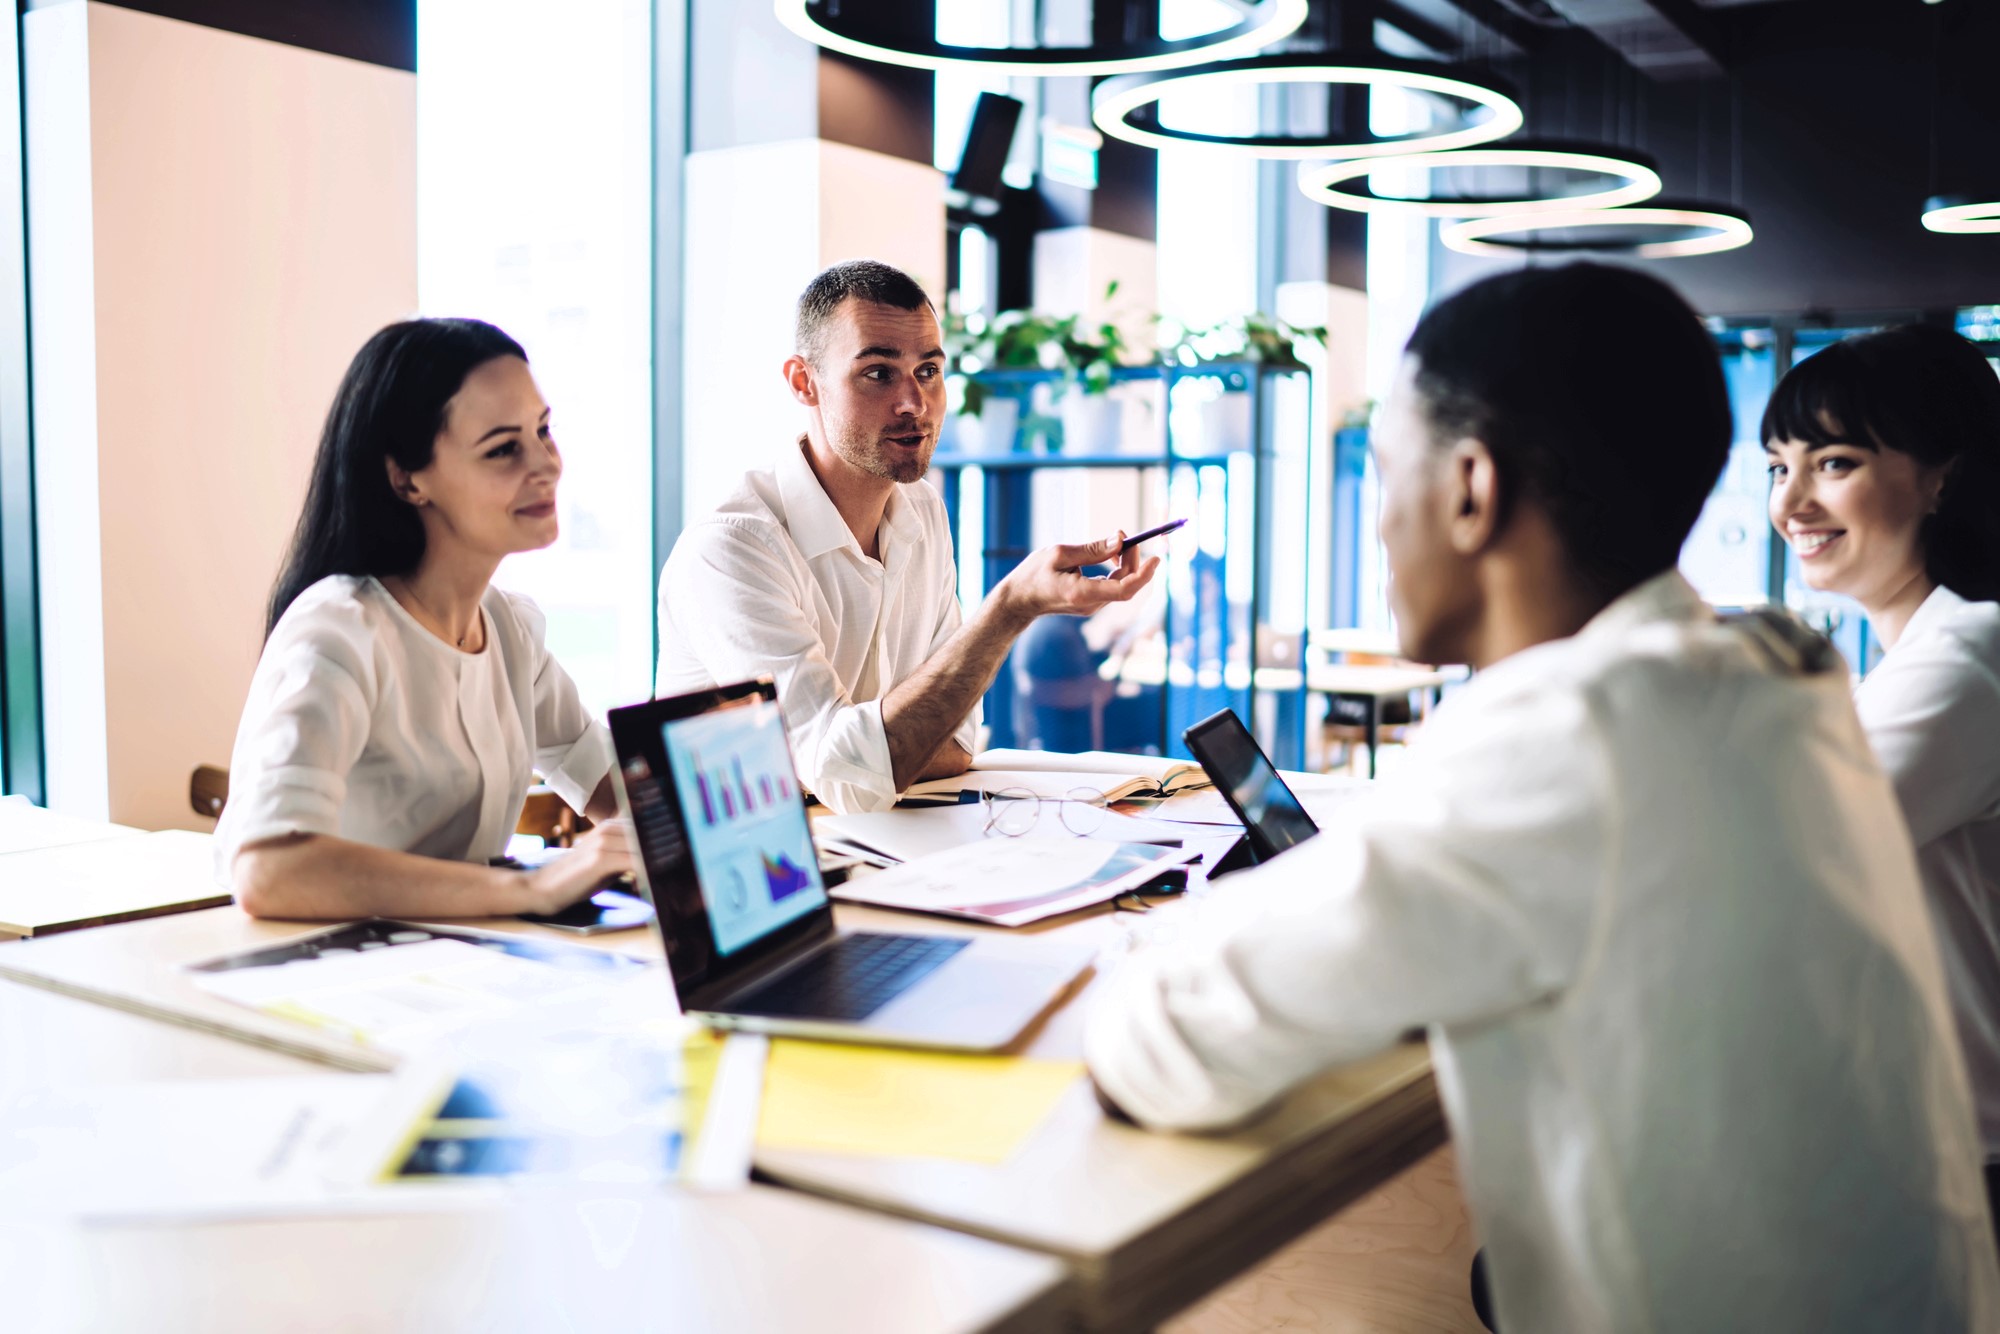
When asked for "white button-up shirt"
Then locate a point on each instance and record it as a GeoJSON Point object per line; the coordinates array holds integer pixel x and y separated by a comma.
{"type": "Point", "coordinates": [1931, 708]}
{"type": "Point", "coordinates": [774, 584]}
{"type": "Point", "coordinates": [1652, 899]}
{"type": "Point", "coordinates": [363, 724]}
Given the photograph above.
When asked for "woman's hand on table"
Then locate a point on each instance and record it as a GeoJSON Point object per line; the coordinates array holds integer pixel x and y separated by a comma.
{"type": "Point", "coordinates": [597, 856]}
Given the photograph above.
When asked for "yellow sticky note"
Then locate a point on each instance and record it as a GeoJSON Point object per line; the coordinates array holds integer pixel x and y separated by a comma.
{"type": "Point", "coordinates": [830, 1098]}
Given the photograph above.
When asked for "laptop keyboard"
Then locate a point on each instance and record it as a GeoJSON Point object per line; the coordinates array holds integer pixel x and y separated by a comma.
{"type": "Point", "coordinates": [852, 979]}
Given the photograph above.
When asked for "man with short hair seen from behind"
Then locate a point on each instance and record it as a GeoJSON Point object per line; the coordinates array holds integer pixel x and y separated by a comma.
{"type": "Point", "coordinates": [1639, 879]}
{"type": "Point", "coordinates": [833, 573]}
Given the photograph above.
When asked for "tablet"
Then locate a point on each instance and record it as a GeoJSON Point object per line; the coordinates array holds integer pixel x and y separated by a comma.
{"type": "Point", "coordinates": [1273, 819]}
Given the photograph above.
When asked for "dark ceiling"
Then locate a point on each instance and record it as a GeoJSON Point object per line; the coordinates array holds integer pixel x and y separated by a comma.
{"type": "Point", "coordinates": [1829, 121]}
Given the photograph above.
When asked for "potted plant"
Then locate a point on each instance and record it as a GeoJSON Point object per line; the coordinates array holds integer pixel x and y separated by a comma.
{"type": "Point", "coordinates": [1084, 355]}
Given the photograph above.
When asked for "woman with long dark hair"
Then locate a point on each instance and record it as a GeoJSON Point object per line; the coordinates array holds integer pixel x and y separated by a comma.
{"type": "Point", "coordinates": [402, 704]}
{"type": "Point", "coordinates": [1884, 452]}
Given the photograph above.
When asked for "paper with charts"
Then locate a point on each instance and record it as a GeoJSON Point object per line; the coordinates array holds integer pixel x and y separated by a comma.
{"type": "Point", "coordinates": [1014, 881]}
{"type": "Point", "coordinates": [399, 986]}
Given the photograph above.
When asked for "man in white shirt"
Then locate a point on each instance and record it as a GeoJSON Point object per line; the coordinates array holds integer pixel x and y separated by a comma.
{"type": "Point", "coordinates": [833, 572]}
{"type": "Point", "coordinates": [1640, 879]}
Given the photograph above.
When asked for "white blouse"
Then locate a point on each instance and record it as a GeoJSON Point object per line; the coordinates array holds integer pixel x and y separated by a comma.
{"type": "Point", "coordinates": [363, 724]}
{"type": "Point", "coordinates": [1652, 899]}
{"type": "Point", "coordinates": [1932, 711]}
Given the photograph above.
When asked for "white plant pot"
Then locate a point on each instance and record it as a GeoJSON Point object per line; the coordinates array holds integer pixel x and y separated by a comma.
{"type": "Point", "coordinates": [992, 431]}
{"type": "Point", "coordinates": [1092, 423]}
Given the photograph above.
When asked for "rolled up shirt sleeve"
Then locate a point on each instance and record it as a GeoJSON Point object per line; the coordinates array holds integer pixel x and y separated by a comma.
{"type": "Point", "coordinates": [1464, 890]}
{"type": "Point", "coordinates": [740, 611]}
{"type": "Point", "coordinates": [303, 728]}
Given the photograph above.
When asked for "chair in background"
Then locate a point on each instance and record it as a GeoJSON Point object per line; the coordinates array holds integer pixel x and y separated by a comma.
{"type": "Point", "coordinates": [208, 790]}
{"type": "Point", "coordinates": [549, 818]}
{"type": "Point", "coordinates": [544, 814]}
{"type": "Point", "coordinates": [1059, 698]}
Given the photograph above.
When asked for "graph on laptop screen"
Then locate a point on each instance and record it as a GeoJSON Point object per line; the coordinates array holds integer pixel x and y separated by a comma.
{"type": "Point", "coordinates": [740, 805]}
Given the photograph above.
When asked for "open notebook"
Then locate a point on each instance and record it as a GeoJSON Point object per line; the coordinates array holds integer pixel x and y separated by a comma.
{"type": "Point", "coordinates": [1053, 773]}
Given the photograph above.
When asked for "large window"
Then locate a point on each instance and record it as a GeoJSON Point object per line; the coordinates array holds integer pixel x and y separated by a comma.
{"type": "Point", "coordinates": [21, 768]}
{"type": "Point", "coordinates": [535, 211]}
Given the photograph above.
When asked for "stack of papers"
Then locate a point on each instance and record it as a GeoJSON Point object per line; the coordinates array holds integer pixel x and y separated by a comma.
{"type": "Point", "coordinates": [400, 987]}
{"type": "Point", "coordinates": [885, 838]}
{"type": "Point", "coordinates": [202, 1150]}
{"type": "Point", "coordinates": [1014, 881]}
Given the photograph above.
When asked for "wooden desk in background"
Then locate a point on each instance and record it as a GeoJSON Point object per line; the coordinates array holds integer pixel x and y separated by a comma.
{"type": "Point", "coordinates": [1368, 686]}
{"type": "Point", "coordinates": [614, 1259]}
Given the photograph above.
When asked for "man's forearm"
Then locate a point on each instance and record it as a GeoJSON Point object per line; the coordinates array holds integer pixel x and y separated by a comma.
{"type": "Point", "coordinates": [950, 761]}
{"type": "Point", "coordinates": [920, 715]}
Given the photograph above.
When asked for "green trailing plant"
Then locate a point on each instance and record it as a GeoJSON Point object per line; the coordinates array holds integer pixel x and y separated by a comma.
{"type": "Point", "coordinates": [1086, 355]}
{"type": "Point", "coordinates": [1256, 337]}
{"type": "Point", "coordinates": [1028, 340]}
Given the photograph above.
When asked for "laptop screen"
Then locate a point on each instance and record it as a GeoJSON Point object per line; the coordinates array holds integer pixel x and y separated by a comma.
{"type": "Point", "coordinates": [739, 798]}
{"type": "Point", "coordinates": [727, 851]}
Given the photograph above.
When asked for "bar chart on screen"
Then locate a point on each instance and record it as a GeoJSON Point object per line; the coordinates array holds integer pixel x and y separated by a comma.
{"type": "Point", "coordinates": [727, 793]}
{"type": "Point", "coordinates": [746, 825]}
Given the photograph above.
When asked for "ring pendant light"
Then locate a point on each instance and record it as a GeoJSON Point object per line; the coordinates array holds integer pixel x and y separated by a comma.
{"type": "Point", "coordinates": [1962, 214]}
{"type": "Point", "coordinates": [1120, 106]}
{"type": "Point", "coordinates": [1722, 229]}
{"type": "Point", "coordinates": [1636, 175]}
{"type": "Point", "coordinates": [823, 23]}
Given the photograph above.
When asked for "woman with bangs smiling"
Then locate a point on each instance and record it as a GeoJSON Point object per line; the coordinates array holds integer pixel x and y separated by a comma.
{"type": "Point", "coordinates": [1884, 455]}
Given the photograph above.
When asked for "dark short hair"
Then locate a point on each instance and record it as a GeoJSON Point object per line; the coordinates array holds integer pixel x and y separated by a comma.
{"type": "Point", "coordinates": [1601, 398]}
{"type": "Point", "coordinates": [864, 279]}
{"type": "Point", "coordinates": [390, 405]}
{"type": "Point", "coordinates": [1921, 390]}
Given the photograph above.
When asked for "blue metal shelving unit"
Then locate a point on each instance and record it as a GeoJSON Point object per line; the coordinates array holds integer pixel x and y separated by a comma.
{"type": "Point", "coordinates": [1209, 637]}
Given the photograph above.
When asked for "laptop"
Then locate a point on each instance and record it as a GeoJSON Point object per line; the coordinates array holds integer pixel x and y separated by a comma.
{"type": "Point", "coordinates": [1273, 819]}
{"type": "Point", "coordinates": [726, 856]}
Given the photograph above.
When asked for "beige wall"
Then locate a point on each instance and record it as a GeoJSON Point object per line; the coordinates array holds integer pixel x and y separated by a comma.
{"type": "Point", "coordinates": [250, 211]}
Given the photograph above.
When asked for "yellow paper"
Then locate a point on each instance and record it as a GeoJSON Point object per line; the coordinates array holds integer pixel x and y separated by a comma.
{"type": "Point", "coordinates": [829, 1098]}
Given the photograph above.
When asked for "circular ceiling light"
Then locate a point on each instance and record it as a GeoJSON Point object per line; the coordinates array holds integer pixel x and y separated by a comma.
{"type": "Point", "coordinates": [1635, 174]}
{"type": "Point", "coordinates": [1127, 107]}
{"type": "Point", "coordinates": [822, 23]}
{"type": "Point", "coordinates": [1962, 214]}
{"type": "Point", "coordinates": [1684, 229]}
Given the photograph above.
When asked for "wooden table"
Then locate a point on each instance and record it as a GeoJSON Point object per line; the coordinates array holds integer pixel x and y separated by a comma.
{"type": "Point", "coordinates": [1146, 1224]}
{"type": "Point", "coordinates": [621, 1258]}
{"type": "Point", "coordinates": [1352, 639]}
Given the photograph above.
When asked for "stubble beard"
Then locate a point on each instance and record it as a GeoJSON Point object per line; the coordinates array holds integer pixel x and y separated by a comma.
{"type": "Point", "coordinates": [877, 459]}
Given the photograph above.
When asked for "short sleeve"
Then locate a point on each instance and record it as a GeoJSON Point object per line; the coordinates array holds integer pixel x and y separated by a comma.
{"type": "Point", "coordinates": [1932, 713]}
{"type": "Point", "coordinates": [573, 751]}
{"type": "Point", "coordinates": [740, 613]}
{"type": "Point", "coordinates": [304, 726]}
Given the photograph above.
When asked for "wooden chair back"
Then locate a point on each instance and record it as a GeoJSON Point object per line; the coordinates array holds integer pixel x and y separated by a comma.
{"type": "Point", "coordinates": [208, 790]}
